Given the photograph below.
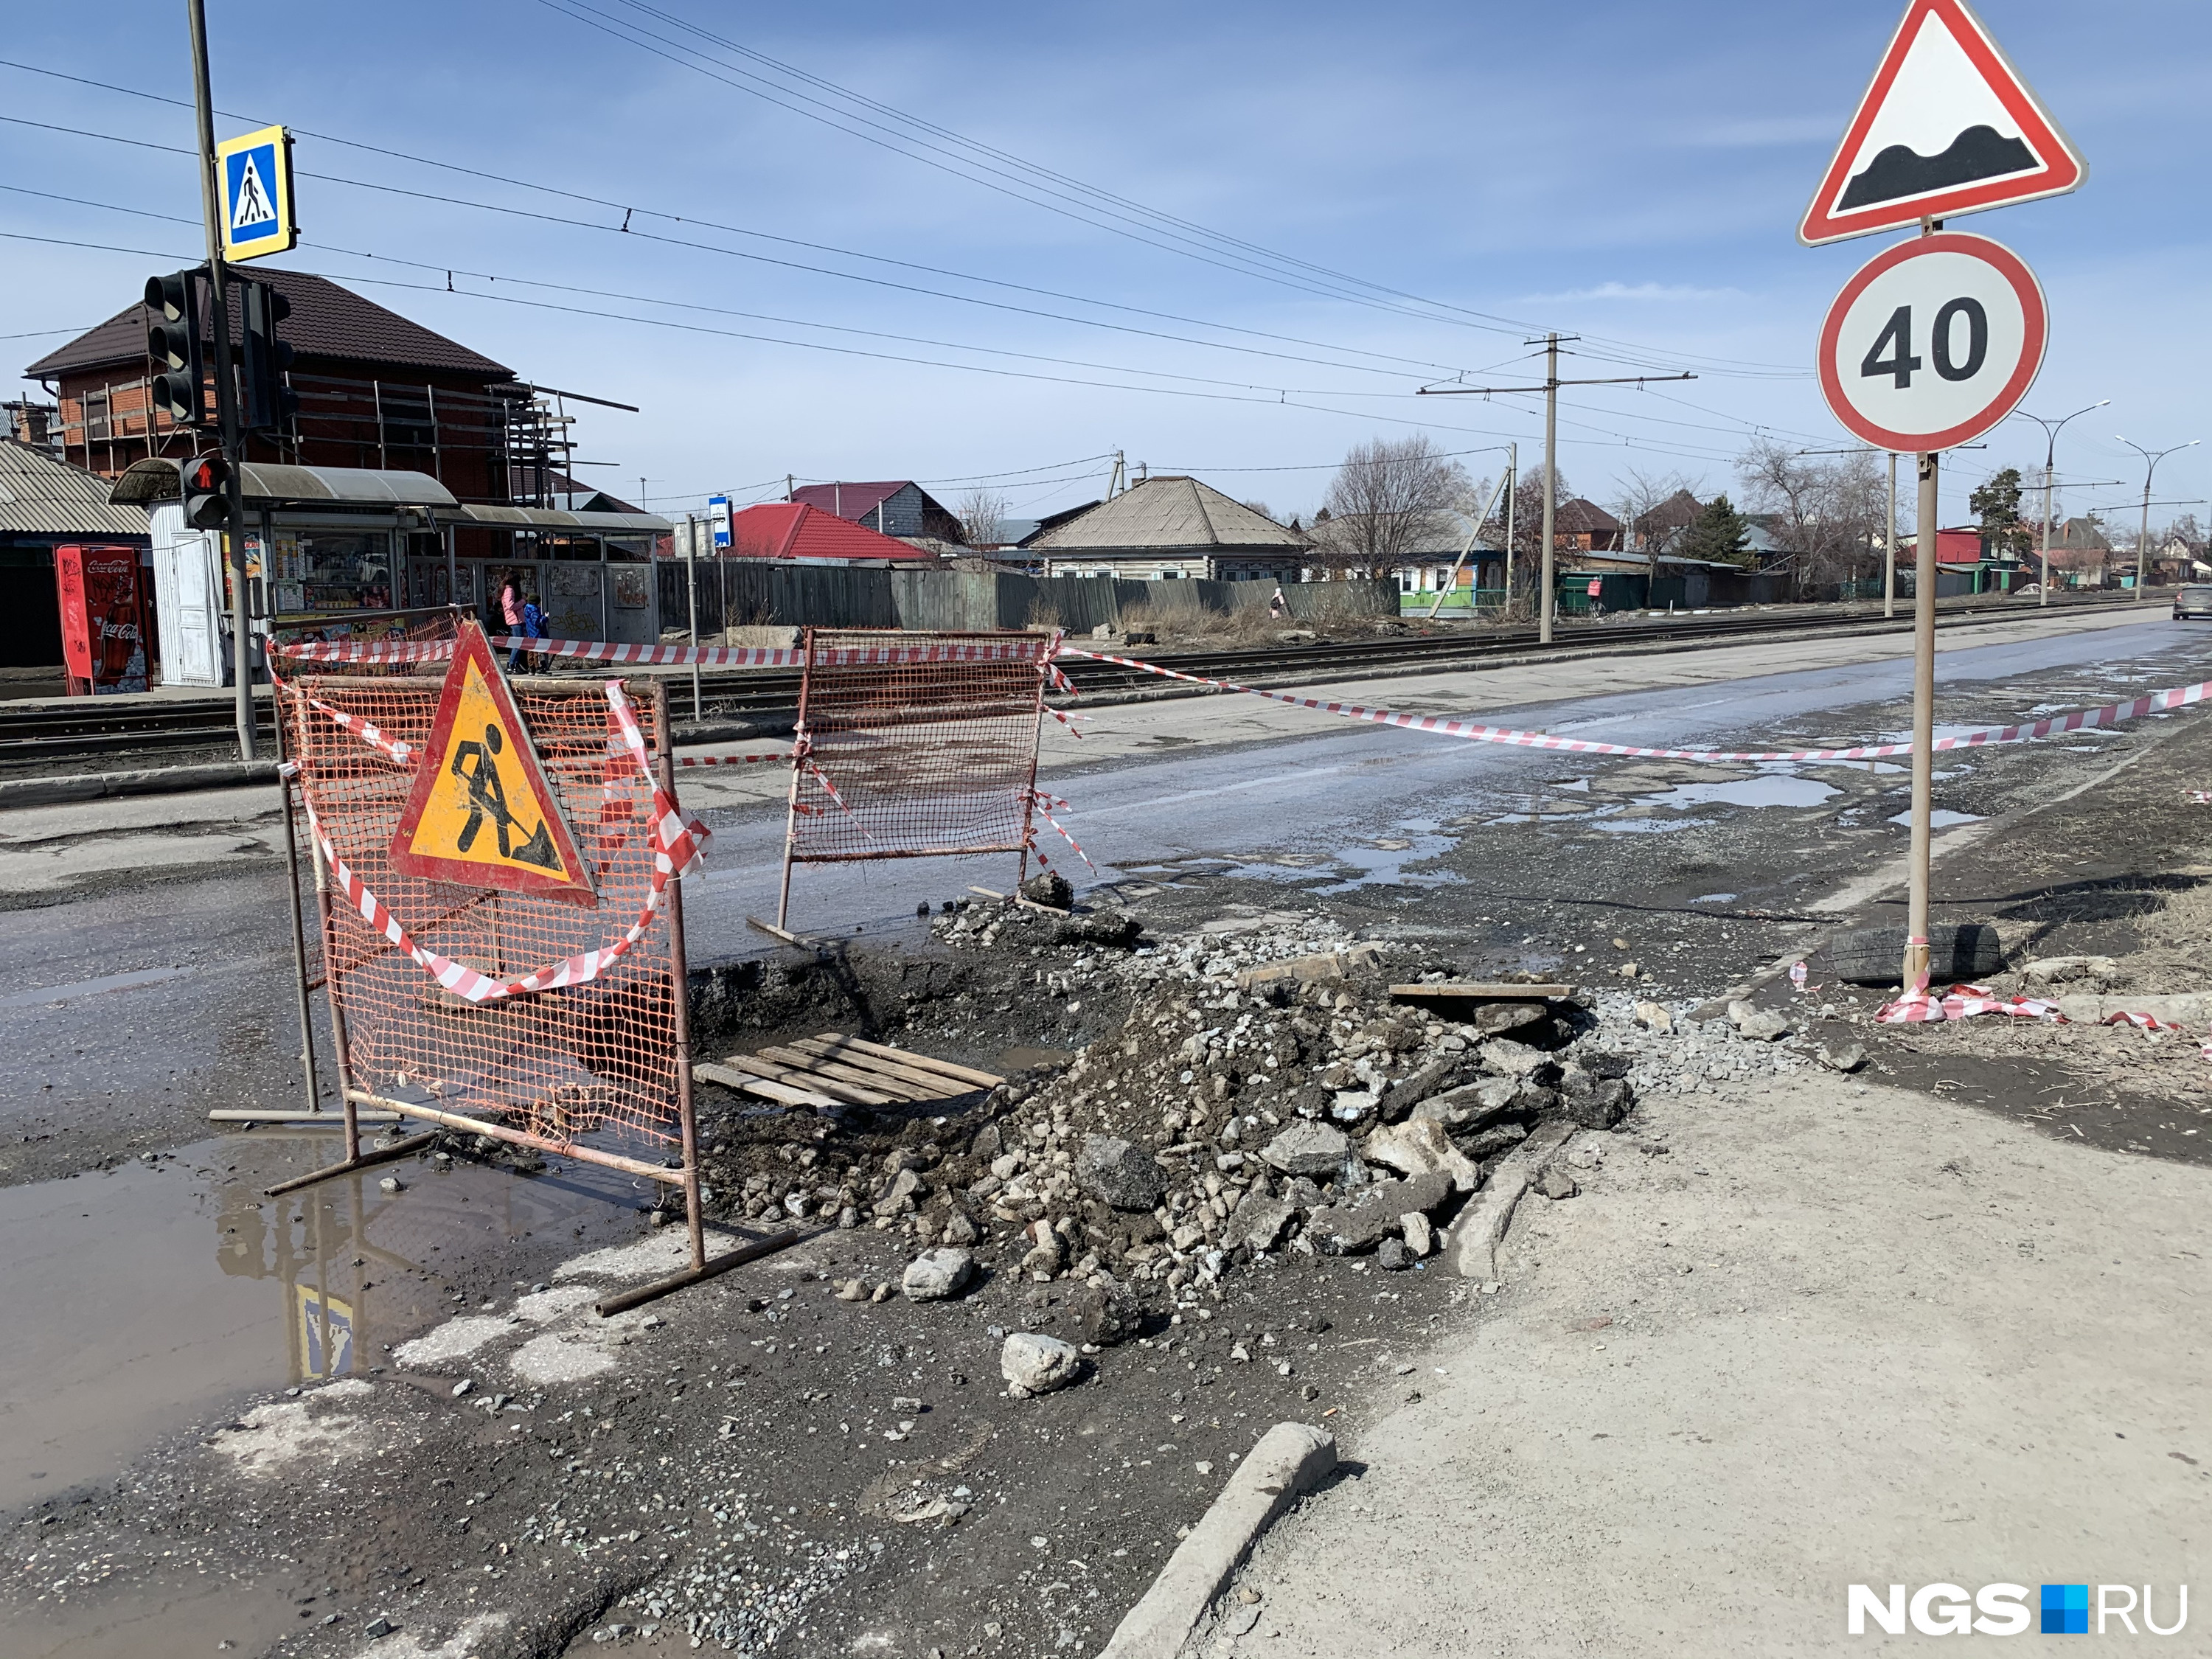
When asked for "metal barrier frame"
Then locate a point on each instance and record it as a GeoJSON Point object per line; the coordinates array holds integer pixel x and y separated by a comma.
{"type": "Point", "coordinates": [684, 1176]}
{"type": "Point", "coordinates": [1047, 644]}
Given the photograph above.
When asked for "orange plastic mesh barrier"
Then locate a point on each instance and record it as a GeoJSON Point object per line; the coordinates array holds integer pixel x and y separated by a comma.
{"type": "Point", "coordinates": [555, 1065]}
{"type": "Point", "coordinates": [918, 758]}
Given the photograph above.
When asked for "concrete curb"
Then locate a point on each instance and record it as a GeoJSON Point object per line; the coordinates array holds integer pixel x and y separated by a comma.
{"type": "Point", "coordinates": [1290, 1459]}
{"type": "Point", "coordinates": [154, 781]}
{"type": "Point", "coordinates": [1482, 1227]}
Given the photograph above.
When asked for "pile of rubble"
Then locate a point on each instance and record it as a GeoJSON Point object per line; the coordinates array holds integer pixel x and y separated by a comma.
{"type": "Point", "coordinates": [1266, 1098]}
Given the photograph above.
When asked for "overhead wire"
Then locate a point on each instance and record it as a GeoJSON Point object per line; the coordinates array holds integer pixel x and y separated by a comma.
{"type": "Point", "coordinates": [1235, 247]}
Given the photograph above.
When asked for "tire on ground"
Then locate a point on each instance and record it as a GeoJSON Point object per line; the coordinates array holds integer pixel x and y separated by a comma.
{"type": "Point", "coordinates": [1872, 955]}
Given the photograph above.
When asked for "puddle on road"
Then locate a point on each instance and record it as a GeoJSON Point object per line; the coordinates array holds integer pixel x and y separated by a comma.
{"type": "Point", "coordinates": [209, 1615]}
{"type": "Point", "coordinates": [1714, 898]}
{"type": "Point", "coordinates": [1942, 817]}
{"type": "Point", "coordinates": [87, 987]}
{"type": "Point", "coordinates": [1378, 861]}
{"type": "Point", "coordinates": [140, 1302]}
{"type": "Point", "coordinates": [1767, 789]}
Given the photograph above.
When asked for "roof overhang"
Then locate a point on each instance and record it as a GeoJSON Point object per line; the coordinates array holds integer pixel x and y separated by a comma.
{"type": "Point", "coordinates": [266, 484]}
{"type": "Point", "coordinates": [554, 518]}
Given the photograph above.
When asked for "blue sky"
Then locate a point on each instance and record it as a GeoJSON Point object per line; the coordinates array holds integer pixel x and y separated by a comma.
{"type": "Point", "coordinates": [1630, 173]}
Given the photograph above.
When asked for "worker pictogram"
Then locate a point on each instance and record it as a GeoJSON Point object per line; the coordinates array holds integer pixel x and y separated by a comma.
{"type": "Point", "coordinates": [1947, 126]}
{"type": "Point", "coordinates": [481, 813]}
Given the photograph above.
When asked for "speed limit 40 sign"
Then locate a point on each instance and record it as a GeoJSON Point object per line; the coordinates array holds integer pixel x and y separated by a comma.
{"type": "Point", "coordinates": [1933, 343]}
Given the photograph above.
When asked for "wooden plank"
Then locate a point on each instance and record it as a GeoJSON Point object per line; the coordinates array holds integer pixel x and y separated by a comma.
{"type": "Point", "coordinates": [808, 1067]}
{"type": "Point", "coordinates": [1492, 991]}
{"type": "Point", "coordinates": [803, 1076]}
{"type": "Point", "coordinates": [907, 1057]}
{"type": "Point", "coordinates": [782, 1094]}
{"type": "Point", "coordinates": [988, 892]}
{"type": "Point", "coordinates": [916, 1083]}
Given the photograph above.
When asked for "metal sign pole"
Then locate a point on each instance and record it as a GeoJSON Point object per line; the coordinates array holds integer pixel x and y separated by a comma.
{"type": "Point", "coordinates": [680, 999]}
{"type": "Point", "coordinates": [1923, 728]}
{"type": "Point", "coordinates": [1889, 548]}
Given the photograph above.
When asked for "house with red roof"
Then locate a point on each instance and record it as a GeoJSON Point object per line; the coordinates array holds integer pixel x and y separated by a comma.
{"type": "Point", "coordinates": [798, 532]}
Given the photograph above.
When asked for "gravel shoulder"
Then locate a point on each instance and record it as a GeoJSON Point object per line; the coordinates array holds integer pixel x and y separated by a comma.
{"type": "Point", "coordinates": [1837, 1333]}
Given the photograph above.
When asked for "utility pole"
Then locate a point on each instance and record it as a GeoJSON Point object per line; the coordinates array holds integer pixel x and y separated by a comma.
{"type": "Point", "coordinates": [2151, 458]}
{"type": "Point", "coordinates": [1550, 343]}
{"type": "Point", "coordinates": [226, 387]}
{"type": "Point", "coordinates": [2049, 459]}
{"type": "Point", "coordinates": [1512, 501]}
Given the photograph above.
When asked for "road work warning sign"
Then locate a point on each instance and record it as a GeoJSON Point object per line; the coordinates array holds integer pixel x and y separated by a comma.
{"type": "Point", "coordinates": [481, 813]}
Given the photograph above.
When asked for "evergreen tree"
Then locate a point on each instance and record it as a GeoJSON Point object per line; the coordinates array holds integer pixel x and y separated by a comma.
{"type": "Point", "coordinates": [1996, 504]}
{"type": "Point", "coordinates": [1719, 533]}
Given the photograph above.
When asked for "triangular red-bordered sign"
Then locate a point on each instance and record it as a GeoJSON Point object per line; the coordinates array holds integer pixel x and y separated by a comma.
{"type": "Point", "coordinates": [480, 812]}
{"type": "Point", "coordinates": [1948, 126]}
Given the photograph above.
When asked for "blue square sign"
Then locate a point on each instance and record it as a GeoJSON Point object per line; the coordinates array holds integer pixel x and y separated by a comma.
{"type": "Point", "coordinates": [256, 170]}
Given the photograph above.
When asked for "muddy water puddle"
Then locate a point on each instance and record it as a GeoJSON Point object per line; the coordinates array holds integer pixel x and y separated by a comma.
{"type": "Point", "coordinates": [140, 1302]}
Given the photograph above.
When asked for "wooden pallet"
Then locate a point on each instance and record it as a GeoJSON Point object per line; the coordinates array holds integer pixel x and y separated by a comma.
{"type": "Point", "coordinates": [833, 1070]}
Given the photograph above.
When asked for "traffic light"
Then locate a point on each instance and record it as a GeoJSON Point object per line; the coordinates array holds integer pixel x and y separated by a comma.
{"type": "Point", "coordinates": [205, 485]}
{"type": "Point", "coordinates": [268, 403]}
{"type": "Point", "coordinates": [173, 340]}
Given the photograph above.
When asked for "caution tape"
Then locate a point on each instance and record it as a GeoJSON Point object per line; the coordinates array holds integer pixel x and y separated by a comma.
{"type": "Point", "coordinates": [1965, 1001]}
{"type": "Point", "coordinates": [730, 760]}
{"type": "Point", "coordinates": [1044, 803]}
{"type": "Point", "coordinates": [676, 836]}
{"type": "Point", "coordinates": [365, 650]}
{"type": "Point", "coordinates": [395, 749]}
{"type": "Point", "coordinates": [1475, 731]}
{"type": "Point", "coordinates": [704, 656]}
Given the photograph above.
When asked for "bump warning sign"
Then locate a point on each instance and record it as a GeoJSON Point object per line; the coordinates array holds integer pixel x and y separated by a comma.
{"type": "Point", "coordinates": [481, 813]}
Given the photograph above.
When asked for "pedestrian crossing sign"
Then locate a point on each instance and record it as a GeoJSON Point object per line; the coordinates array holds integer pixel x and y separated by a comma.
{"type": "Point", "coordinates": [255, 172]}
{"type": "Point", "coordinates": [481, 813]}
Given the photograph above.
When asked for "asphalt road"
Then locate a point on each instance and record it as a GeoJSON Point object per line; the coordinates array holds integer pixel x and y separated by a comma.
{"type": "Point", "coordinates": [132, 1010]}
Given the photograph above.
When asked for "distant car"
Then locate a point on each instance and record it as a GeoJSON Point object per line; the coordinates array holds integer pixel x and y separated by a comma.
{"type": "Point", "coordinates": [2193, 601]}
{"type": "Point", "coordinates": [2034, 590]}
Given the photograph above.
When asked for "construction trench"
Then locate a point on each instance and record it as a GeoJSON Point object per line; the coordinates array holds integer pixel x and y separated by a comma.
{"type": "Point", "coordinates": [1030, 1328]}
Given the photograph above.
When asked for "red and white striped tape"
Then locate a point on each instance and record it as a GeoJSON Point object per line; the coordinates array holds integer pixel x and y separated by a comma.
{"type": "Point", "coordinates": [394, 748]}
{"type": "Point", "coordinates": [742, 656]}
{"type": "Point", "coordinates": [365, 650]}
{"type": "Point", "coordinates": [459, 977]}
{"type": "Point", "coordinates": [1043, 804]}
{"type": "Point", "coordinates": [2081, 719]}
{"type": "Point", "coordinates": [730, 759]}
{"type": "Point", "coordinates": [676, 836]}
{"type": "Point", "coordinates": [1965, 1001]}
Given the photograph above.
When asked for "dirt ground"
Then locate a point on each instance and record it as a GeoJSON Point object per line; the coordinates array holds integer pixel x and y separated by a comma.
{"type": "Point", "coordinates": [772, 1465]}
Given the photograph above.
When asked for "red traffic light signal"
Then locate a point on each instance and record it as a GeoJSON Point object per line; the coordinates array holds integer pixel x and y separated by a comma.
{"type": "Point", "coordinates": [205, 483]}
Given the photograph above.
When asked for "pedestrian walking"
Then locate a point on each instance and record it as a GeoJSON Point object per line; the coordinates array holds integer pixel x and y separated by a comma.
{"type": "Point", "coordinates": [510, 611]}
{"type": "Point", "coordinates": [1278, 606]}
{"type": "Point", "coordinates": [534, 628]}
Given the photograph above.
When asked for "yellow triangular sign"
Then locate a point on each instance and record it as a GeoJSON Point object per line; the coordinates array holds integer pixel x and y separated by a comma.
{"type": "Point", "coordinates": [481, 813]}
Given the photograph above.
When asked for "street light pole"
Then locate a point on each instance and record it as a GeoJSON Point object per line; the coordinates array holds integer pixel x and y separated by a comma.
{"type": "Point", "coordinates": [2050, 459]}
{"type": "Point", "coordinates": [2151, 458]}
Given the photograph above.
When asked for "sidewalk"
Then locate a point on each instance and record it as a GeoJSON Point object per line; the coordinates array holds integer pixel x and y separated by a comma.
{"type": "Point", "coordinates": [1856, 1334]}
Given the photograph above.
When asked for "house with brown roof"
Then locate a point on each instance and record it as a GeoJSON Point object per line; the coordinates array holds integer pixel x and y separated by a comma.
{"type": "Point", "coordinates": [1585, 526]}
{"type": "Point", "coordinates": [1171, 527]}
{"type": "Point", "coordinates": [377, 391]}
{"type": "Point", "coordinates": [894, 507]}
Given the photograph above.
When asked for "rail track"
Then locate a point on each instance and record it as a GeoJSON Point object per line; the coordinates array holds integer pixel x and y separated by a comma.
{"type": "Point", "coordinates": [35, 738]}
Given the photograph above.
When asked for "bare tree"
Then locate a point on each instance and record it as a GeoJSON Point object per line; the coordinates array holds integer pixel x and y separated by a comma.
{"type": "Point", "coordinates": [1263, 509]}
{"type": "Point", "coordinates": [1826, 512]}
{"type": "Point", "coordinates": [980, 512]}
{"type": "Point", "coordinates": [1385, 499]}
{"type": "Point", "coordinates": [1638, 497]}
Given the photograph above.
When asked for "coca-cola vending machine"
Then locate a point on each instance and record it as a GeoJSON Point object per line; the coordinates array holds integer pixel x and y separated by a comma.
{"type": "Point", "coordinates": [103, 604]}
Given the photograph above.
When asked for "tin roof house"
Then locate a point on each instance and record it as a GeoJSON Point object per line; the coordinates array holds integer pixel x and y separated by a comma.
{"type": "Point", "coordinates": [1171, 528]}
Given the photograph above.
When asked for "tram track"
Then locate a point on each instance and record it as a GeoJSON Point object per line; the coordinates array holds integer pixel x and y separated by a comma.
{"type": "Point", "coordinates": [38, 738]}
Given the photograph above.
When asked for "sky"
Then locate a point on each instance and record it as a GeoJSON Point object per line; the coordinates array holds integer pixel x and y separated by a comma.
{"type": "Point", "coordinates": [1231, 240]}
